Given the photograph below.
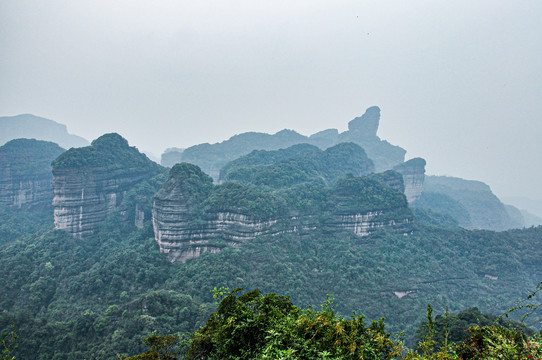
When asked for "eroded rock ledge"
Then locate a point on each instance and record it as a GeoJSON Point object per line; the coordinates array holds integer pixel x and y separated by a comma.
{"type": "Point", "coordinates": [191, 216]}
{"type": "Point", "coordinates": [89, 183]}
{"type": "Point", "coordinates": [413, 172]}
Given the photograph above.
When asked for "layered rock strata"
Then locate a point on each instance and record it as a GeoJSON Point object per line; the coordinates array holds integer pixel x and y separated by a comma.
{"type": "Point", "coordinates": [25, 172]}
{"type": "Point", "coordinates": [183, 233]}
{"type": "Point", "coordinates": [413, 172]}
{"type": "Point", "coordinates": [84, 199]}
{"type": "Point", "coordinates": [90, 183]}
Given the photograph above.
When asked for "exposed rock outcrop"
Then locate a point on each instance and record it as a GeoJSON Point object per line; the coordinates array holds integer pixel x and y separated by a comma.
{"type": "Point", "coordinates": [363, 131]}
{"type": "Point", "coordinates": [191, 216]}
{"type": "Point", "coordinates": [367, 124]}
{"type": "Point", "coordinates": [413, 172]}
{"type": "Point", "coordinates": [89, 183]}
{"type": "Point", "coordinates": [25, 172]}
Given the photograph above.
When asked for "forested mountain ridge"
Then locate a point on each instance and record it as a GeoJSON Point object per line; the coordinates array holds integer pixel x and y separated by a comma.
{"type": "Point", "coordinates": [96, 295]}
{"type": "Point", "coordinates": [298, 164]}
{"type": "Point", "coordinates": [470, 202]}
{"type": "Point", "coordinates": [361, 130]}
{"type": "Point", "coordinates": [25, 172]}
{"type": "Point", "coordinates": [191, 216]}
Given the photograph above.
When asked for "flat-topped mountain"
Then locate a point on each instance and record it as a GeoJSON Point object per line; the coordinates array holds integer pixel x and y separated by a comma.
{"type": "Point", "coordinates": [35, 127]}
{"type": "Point", "coordinates": [191, 216]}
{"type": "Point", "coordinates": [361, 130]}
{"type": "Point", "coordinates": [25, 172]}
{"type": "Point", "coordinates": [89, 183]}
{"type": "Point", "coordinates": [413, 172]}
{"type": "Point", "coordinates": [470, 202]}
{"type": "Point", "coordinates": [302, 161]}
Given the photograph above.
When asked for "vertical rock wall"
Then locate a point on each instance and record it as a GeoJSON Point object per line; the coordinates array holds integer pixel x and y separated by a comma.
{"type": "Point", "coordinates": [25, 172]}
{"type": "Point", "coordinates": [90, 183]}
{"type": "Point", "coordinates": [84, 199]}
{"type": "Point", "coordinates": [413, 172]}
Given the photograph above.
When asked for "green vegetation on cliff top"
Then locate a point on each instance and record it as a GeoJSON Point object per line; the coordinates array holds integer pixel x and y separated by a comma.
{"type": "Point", "coordinates": [305, 194]}
{"type": "Point", "coordinates": [28, 158]}
{"type": "Point", "coordinates": [109, 151]}
{"type": "Point", "coordinates": [284, 168]}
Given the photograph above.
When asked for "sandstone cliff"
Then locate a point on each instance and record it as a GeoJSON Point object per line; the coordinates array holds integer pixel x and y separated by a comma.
{"type": "Point", "coordinates": [25, 172]}
{"type": "Point", "coordinates": [191, 216]}
{"type": "Point", "coordinates": [89, 183]}
{"type": "Point", "coordinates": [413, 172]}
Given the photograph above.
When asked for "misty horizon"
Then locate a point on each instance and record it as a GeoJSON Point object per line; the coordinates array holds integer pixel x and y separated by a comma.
{"type": "Point", "coordinates": [458, 83]}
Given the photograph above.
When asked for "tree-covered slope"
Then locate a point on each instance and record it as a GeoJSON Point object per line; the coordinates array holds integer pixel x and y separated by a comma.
{"type": "Point", "coordinates": [212, 157]}
{"type": "Point", "coordinates": [91, 295]}
{"type": "Point", "coordinates": [109, 151]}
{"type": "Point", "coordinates": [361, 130]}
{"type": "Point", "coordinates": [26, 159]}
{"type": "Point", "coordinates": [483, 209]}
{"type": "Point", "coordinates": [267, 157]}
{"type": "Point", "coordinates": [299, 164]}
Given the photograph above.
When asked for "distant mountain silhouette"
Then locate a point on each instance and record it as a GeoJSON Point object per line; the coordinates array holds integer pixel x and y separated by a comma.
{"type": "Point", "coordinates": [34, 127]}
{"type": "Point", "coordinates": [361, 130]}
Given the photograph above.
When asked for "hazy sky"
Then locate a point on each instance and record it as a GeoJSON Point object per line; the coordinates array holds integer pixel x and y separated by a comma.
{"type": "Point", "coordinates": [459, 82]}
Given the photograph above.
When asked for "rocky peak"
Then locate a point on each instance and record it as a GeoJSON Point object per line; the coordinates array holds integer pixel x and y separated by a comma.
{"type": "Point", "coordinates": [366, 124]}
{"type": "Point", "coordinates": [413, 172]}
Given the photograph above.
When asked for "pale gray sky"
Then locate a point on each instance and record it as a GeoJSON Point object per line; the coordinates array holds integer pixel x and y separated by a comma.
{"type": "Point", "coordinates": [459, 82]}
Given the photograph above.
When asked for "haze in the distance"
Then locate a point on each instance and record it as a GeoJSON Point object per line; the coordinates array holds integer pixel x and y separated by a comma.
{"type": "Point", "coordinates": [459, 82]}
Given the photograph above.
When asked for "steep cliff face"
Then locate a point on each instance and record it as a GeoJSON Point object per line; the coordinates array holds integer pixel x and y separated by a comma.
{"type": "Point", "coordinates": [25, 172]}
{"type": "Point", "coordinates": [191, 216]}
{"type": "Point", "coordinates": [89, 183]}
{"type": "Point", "coordinates": [413, 172]}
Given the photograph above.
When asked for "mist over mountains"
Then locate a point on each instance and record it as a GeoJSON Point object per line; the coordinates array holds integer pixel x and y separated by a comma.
{"type": "Point", "coordinates": [34, 127]}
{"type": "Point", "coordinates": [101, 246]}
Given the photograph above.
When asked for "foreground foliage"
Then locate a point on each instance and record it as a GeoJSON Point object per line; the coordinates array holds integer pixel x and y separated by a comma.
{"type": "Point", "coordinates": [257, 326]}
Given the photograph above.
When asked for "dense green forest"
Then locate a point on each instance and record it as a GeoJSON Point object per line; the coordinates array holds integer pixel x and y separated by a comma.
{"type": "Point", "coordinates": [109, 150]}
{"type": "Point", "coordinates": [268, 326]}
{"type": "Point", "coordinates": [285, 168]}
{"type": "Point", "coordinates": [291, 190]}
{"type": "Point", "coordinates": [28, 158]}
{"type": "Point", "coordinates": [78, 299]}
{"type": "Point", "coordinates": [98, 297]}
